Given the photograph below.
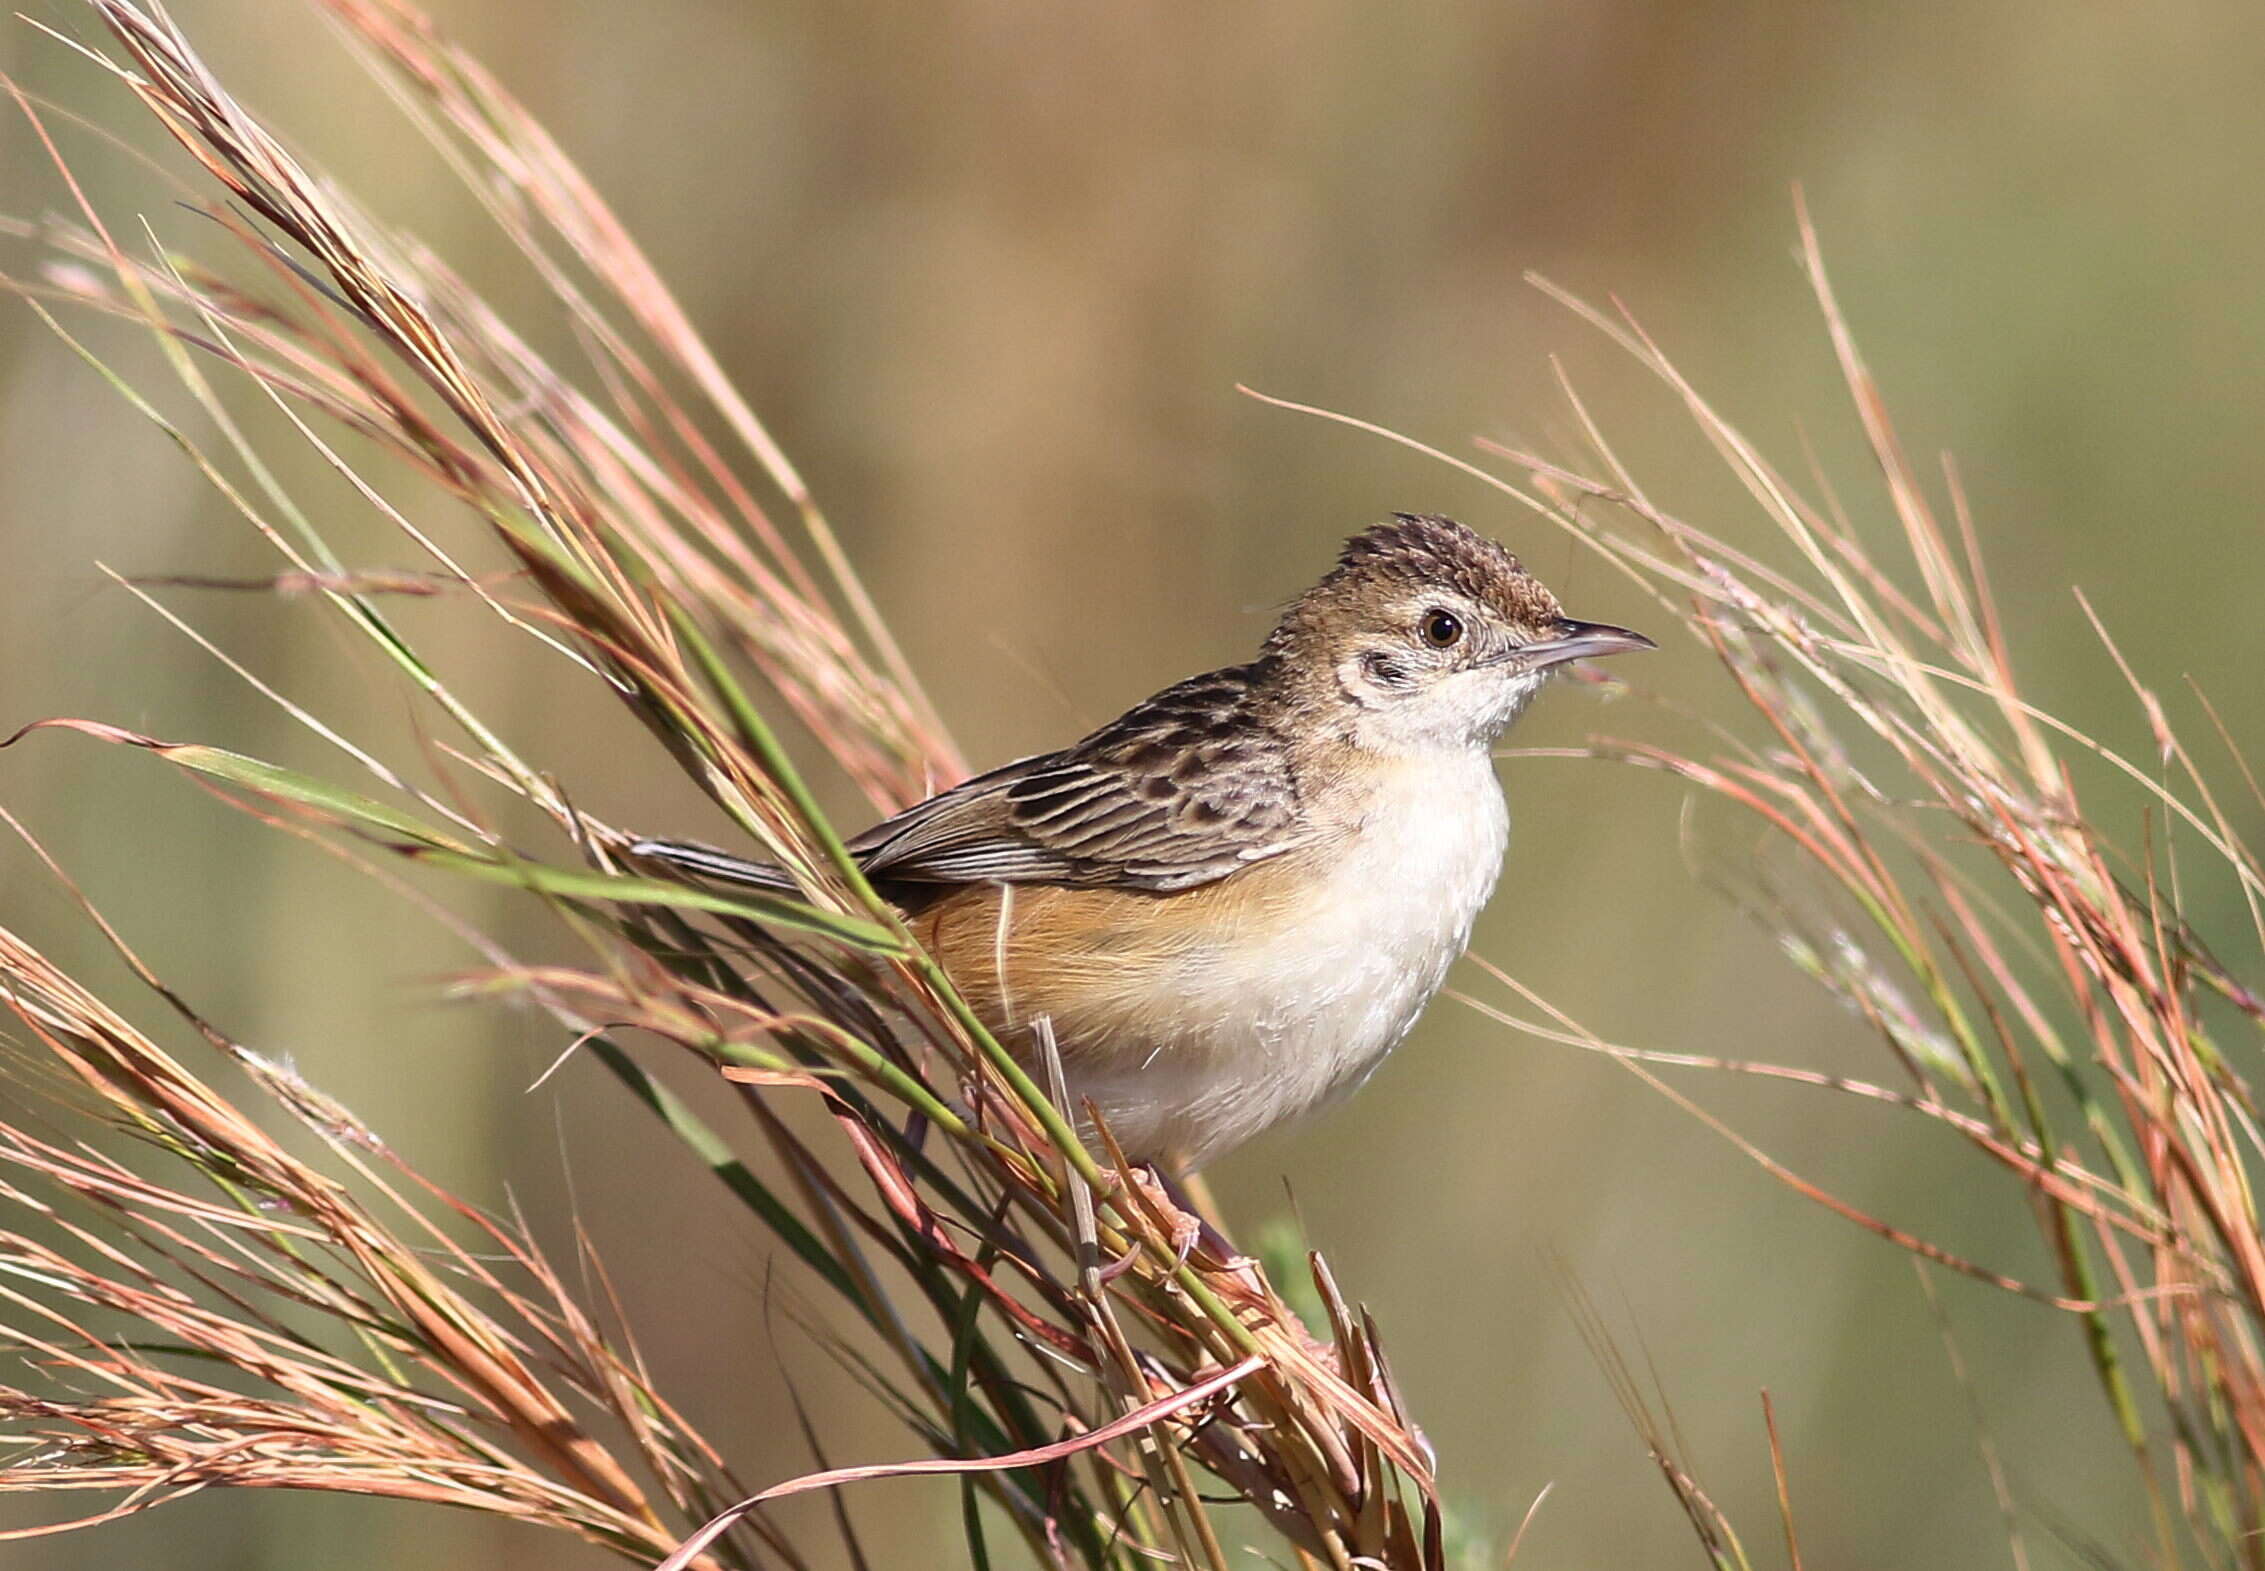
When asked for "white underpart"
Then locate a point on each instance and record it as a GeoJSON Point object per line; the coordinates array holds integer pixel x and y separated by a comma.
{"type": "Point", "coordinates": [1269, 1026]}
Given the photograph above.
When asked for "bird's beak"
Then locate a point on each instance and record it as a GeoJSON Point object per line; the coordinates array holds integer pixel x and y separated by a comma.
{"type": "Point", "coordinates": [1579, 641]}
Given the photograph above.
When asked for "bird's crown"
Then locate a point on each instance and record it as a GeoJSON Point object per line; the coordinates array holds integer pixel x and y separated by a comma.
{"type": "Point", "coordinates": [1416, 551]}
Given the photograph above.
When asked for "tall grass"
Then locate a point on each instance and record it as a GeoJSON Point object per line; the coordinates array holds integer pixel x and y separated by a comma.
{"type": "Point", "coordinates": [2036, 989]}
{"type": "Point", "coordinates": [1042, 1323]}
{"type": "Point", "coordinates": [1029, 1309]}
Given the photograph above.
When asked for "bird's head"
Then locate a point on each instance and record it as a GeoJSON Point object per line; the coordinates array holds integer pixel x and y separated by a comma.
{"type": "Point", "coordinates": [1427, 636]}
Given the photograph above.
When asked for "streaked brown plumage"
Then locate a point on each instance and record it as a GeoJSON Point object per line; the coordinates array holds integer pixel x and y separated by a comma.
{"type": "Point", "coordinates": [1232, 900]}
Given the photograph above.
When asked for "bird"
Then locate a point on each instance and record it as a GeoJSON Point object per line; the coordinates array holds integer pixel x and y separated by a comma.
{"type": "Point", "coordinates": [1230, 903]}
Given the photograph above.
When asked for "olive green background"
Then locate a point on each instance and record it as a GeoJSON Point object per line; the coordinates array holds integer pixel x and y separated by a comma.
{"type": "Point", "coordinates": [991, 271]}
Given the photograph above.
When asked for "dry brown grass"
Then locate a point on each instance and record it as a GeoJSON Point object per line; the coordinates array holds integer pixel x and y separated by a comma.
{"type": "Point", "coordinates": [1054, 1343]}
{"type": "Point", "coordinates": [218, 1308]}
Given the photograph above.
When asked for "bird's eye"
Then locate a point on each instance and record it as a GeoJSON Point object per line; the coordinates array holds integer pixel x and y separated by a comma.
{"type": "Point", "coordinates": [1441, 629]}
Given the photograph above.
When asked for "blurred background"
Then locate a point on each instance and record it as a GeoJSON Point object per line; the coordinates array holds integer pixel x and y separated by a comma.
{"type": "Point", "coordinates": [991, 271]}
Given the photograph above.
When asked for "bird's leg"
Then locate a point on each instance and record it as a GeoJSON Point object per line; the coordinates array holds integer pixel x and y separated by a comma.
{"type": "Point", "coordinates": [1194, 1196]}
{"type": "Point", "coordinates": [1187, 1227]}
{"type": "Point", "coordinates": [1193, 1229]}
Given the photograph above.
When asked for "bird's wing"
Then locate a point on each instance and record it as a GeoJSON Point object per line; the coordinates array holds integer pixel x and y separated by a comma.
{"type": "Point", "coordinates": [1182, 790]}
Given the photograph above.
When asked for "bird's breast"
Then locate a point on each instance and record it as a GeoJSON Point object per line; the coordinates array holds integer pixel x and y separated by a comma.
{"type": "Point", "coordinates": [1392, 911]}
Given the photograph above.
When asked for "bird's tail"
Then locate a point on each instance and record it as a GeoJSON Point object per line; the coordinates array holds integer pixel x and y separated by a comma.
{"type": "Point", "coordinates": [720, 867]}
